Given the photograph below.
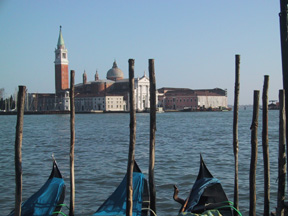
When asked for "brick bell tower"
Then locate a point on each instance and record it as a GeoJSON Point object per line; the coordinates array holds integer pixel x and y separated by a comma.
{"type": "Point", "coordinates": [61, 66]}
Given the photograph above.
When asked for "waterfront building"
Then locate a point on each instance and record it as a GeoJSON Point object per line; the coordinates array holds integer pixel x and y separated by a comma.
{"type": "Point", "coordinates": [47, 102]}
{"type": "Point", "coordinates": [115, 85]}
{"type": "Point", "coordinates": [59, 100]}
{"type": "Point", "coordinates": [112, 93]}
{"type": "Point", "coordinates": [188, 99]}
{"type": "Point", "coordinates": [142, 93]}
{"type": "Point", "coordinates": [90, 103]}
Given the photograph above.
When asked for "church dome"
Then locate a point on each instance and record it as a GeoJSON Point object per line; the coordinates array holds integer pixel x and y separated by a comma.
{"type": "Point", "coordinates": [115, 73]}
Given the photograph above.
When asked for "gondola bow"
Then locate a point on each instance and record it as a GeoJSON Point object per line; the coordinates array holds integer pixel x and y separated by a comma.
{"type": "Point", "coordinates": [48, 198]}
{"type": "Point", "coordinates": [116, 203]}
{"type": "Point", "coordinates": [207, 194]}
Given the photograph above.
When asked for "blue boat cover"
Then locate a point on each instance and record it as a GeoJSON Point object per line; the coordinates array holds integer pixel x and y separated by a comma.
{"type": "Point", "coordinates": [116, 203]}
{"type": "Point", "coordinates": [197, 191]}
{"type": "Point", "coordinates": [44, 201]}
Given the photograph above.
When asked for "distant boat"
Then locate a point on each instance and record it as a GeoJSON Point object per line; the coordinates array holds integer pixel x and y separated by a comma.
{"type": "Point", "coordinates": [274, 105]}
{"type": "Point", "coordinates": [159, 110]}
{"type": "Point", "coordinates": [116, 203]}
{"type": "Point", "coordinates": [207, 194]}
{"type": "Point", "coordinates": [47, 200]}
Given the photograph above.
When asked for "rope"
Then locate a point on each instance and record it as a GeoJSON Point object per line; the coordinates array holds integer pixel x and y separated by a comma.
{"type": "Point", "coordinates": [231, 205]}
{"type": "Point", "coordinates": [149, 210]}
{"type": "Point", "coordinates": [60, 212]}
{"type": "Point", "coordinates": [64, 205]}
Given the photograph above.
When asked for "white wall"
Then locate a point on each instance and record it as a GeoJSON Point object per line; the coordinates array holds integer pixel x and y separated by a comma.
{"type": "Point", "coordinates": [212, 101]}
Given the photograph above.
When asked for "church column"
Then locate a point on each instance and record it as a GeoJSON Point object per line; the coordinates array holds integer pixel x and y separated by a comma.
{"type": "Point", "coordinates": [147, 96]}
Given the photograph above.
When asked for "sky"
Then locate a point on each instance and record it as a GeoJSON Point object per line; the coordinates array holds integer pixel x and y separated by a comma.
{"type": "Point", "coordinates": [193, 43]}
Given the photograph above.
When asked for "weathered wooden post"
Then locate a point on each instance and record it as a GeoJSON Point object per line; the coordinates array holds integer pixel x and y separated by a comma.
{"type": "Point", "coordinates": [265, 146]}
{"type": "Point", "coordinates": [18, 149]}
{"type": "Point", "coordinates": [281, 157]}
{"type": "Point", "coordinates": [72, 144]}
{"type": "Point", "coordinates": [131, 154]}
{"type": "Point", "coordinates": [254, 154]}
{"type": "Point", "coordinates": [284, 51]}
{"type": "Point", "coordinates": [235, 129]}
{"type": "Point", "coordinates": [152, 134]}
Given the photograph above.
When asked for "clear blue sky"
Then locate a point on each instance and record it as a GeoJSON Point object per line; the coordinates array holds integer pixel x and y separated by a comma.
{"type": "Point", "coordinates": [193, 42]}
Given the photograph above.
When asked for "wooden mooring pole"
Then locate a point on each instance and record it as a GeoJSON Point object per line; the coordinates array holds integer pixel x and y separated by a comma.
{"type": "Point", "coordinates": [131, 154]}
{"type": "Point", "coordinates": [281, 156]}
{"type": "Point", "coordinates": [235, 129]}
{"type": "Point", "coordinates": [254, 154]}
{"type": "Point", "coordinates": [152, 134]}
{"type": "Point", "coordinates": [284, 51]}
{"type": "Point", "coordinates": [72, 144]}
{"type": "Point", "coordinates": [18, 149]}
{"type": "Point", "coordinates": [265, 146]}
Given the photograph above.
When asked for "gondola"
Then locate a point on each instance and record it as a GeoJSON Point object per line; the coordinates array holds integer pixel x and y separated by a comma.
{"type": "Point", "coordinates": [116, 203]}
{"type": "Point", "coordinates": [48, 199]}
{"type": "Point", "coordinates": [207, 194]}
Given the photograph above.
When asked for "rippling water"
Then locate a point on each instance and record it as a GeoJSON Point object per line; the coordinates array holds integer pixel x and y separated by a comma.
{"type": "Point", "coordinates": [101, 152]}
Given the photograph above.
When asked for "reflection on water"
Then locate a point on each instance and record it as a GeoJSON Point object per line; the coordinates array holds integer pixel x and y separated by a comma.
{"type": "Point", "coordinates": [101, 152]}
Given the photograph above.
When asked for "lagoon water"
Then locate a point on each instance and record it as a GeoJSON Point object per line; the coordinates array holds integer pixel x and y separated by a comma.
{"type": "Point", "coordinates": [101, 152]}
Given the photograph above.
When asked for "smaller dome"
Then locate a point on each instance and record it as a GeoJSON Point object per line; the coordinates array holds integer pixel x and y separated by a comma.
{"type": "Point", "coordinates": [115, 73]}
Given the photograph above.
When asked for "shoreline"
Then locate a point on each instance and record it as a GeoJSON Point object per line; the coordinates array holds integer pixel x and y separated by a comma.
{"type": "Point", "coordinates": [103, 112]}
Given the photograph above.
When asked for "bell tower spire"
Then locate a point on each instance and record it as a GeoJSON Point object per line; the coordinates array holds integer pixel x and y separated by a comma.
{"type": "Point", "coordinates": [60, 43]}
{"type": "Point", "coordinates": [96, 76]}
{"type": "Point", "coordinates": [61, 65]}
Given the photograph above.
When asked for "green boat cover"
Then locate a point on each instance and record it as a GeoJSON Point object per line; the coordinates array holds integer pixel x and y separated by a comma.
{"type": "Point", "coordinates": [116, 203]}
